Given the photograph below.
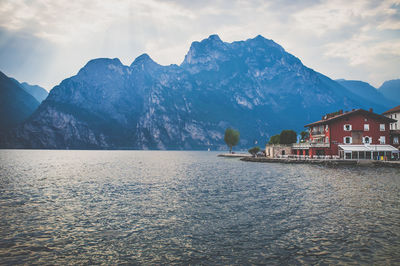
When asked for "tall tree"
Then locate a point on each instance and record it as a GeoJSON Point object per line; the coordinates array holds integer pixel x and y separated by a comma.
{"type": "Point", "coordinates": [288, 137]}
{"type": "Point", "coordinates": [275, 139]}
{"type": "Point", "coordinates": [231, 138]}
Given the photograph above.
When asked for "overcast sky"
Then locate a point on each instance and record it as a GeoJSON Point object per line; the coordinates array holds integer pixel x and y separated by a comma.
{"type": "Point", "coordinates": [45, 41]}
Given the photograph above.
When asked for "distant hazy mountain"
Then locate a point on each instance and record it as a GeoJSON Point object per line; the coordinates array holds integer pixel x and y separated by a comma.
{"type": "Point", "coordinates": [366, 92]}
{"type": "Point", "coordinates": [36, 91]}
{"type": "Point", "coordinates": [254, 86]}
{"type": "Point", "coordinates": [391, 90]}
{"type": "Point", "coordinates": [16, 104]}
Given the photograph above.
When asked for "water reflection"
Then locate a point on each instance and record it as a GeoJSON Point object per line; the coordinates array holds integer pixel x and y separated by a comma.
{"type": "Point", "coordinates": [191, 207]}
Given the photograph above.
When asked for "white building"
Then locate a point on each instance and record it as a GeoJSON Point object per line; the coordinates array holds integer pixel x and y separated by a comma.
{"type": "Point", "coordinates": [394, 127]}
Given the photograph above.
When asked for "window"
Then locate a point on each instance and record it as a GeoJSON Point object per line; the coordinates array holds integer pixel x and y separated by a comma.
{"type": "Point", "coordinates": [367, 140]}
{"type": "Point", "coordinates": [382, 127]}
{"type": "Point", "coordinates": [347, 140]}
{"type": "Point", "coordinates": [382, 140]}
{"type": "Point", "coordinates": [366, 127]}
{"type": "Point", "coordinates": [347, 127]}
{"type": "Point", "coordinates": [396, 140]}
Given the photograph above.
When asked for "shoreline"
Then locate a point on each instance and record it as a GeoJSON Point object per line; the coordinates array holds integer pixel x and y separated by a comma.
{"type": "Point", "coordinates": [394, 164]}
{"type": "Point", "coordinates": [235, 155]}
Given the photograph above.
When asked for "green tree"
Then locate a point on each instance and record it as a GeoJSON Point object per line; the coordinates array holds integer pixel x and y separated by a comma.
{"type": "Point", "coordinates": [253, 151]}
{"type": "Point", "coordinates": [288, 137]}
{"type": "Point", "coordinates": [303, 136]}
{"type": "Point", "coordinates": [275, 139]}
{"type": "Point", "coordinates": [231, 138]}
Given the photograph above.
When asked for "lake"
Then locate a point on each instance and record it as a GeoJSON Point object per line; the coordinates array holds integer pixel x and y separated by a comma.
{"type": "Point", "coordinates": [178, 207]}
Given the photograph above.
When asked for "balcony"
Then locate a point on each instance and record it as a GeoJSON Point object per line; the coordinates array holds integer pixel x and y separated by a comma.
{"type": "Point", "coordinates": [307, 145]}
{"type": "Point", "coordinates": [317, 133]}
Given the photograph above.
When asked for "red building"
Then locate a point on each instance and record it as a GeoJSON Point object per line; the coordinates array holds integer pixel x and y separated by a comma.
{"type": "Point", "coordinates": [357, 134]}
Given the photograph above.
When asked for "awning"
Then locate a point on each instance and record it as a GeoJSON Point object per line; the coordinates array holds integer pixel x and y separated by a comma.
{"type": "Point", "coordinates": [368, 147]}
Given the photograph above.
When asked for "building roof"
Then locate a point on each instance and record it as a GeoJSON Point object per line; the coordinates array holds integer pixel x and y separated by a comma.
{"type": "Point", "coordinates": [367, 147]}
{"type": "Point", "coordinates": [393, 110]}
{"type": "Point", "coordinates": [356, 111]}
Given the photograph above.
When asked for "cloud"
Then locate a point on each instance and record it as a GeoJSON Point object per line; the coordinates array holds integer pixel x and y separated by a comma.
{"type": "Point", "coordinates": [328, 36]}
{"type": "Point", "coordinates": [24, 56]}
{"type": "Point", "coordinates": [365, 36]}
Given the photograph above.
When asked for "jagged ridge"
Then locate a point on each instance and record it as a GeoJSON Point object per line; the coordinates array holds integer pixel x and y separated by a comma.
{"type": "Point", "coordinates": [254, 86]}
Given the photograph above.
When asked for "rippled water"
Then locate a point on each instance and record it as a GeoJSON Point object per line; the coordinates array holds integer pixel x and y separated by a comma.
{"type": "Point", "coordinates": [152, 207]}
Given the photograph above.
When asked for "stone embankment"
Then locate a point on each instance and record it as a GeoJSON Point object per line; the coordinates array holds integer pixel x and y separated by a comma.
{"type": "Point", "coordinates": [330, 162]}
{"type": "Point", "coordinates": [395, 164]}
{"type": "Point", "coordinates": [235, 155]}
{"type": "Point", "coordinates": [298, 161]}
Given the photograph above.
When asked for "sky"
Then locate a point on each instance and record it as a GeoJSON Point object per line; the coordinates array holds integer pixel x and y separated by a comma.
{"type": "Point", "coordinates": [45, 41]}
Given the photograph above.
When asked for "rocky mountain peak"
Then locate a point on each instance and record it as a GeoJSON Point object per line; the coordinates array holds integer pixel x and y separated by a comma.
{"type": "Point", "coordinates": [213, 38]}
{"type": "Point", "coordinates": [260, 40]}
{"type": "Point", "coordinates": [205, 53]}
{"type": "Point", "coordinates": [144, 61]}
{"type": "Point", "coordinates": [98, 62]}
{"type": "Point", "coordinates": [101, 65]}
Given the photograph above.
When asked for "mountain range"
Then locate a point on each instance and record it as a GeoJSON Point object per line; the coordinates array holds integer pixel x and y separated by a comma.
{"type": "Point", "coordinates": [387, 95]}
{"type": "Point", "coordinates": [391, 90]}
{"type": "Point", "coordinates": [36, 91]}
{"type": "Point", "coordinates": [16, 102]}
{"type": "Point", "coordinates": [254, 86]}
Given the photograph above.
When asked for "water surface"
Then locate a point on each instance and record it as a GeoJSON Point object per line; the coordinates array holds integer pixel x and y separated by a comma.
{"type": "Point", "coordinates": [152, 207]}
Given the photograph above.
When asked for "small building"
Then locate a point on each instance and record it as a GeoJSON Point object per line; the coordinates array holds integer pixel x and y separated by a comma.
{"type": "Point", "coordinates": [394, 127]}
{"type": "Point", "coordinates": [348, 132]}
{"type": "Point", "coordinates": [277, 150]}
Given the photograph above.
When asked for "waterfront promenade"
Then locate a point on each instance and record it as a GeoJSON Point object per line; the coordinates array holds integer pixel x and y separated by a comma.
{"type": "Point", "coordinates": [321, 161]}
{"type": "Point", "coordinates": [235, 155]}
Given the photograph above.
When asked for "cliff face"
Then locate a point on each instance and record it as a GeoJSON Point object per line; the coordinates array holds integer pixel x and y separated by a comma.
{"type": "Point", "coordinates": [253, 86]}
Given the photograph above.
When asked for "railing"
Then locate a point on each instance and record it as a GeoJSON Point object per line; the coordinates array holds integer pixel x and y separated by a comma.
{"type": "Point", "coordinates": [307, 145]}
{"type": "Point", "coordinates": [307, 157]}
{"type": "Point", "coordinates": [317, 133]}
{"type": "Point", "coordinates": [320, 145]}
{"type": "Point", "coordinates": [304, 145]}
